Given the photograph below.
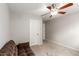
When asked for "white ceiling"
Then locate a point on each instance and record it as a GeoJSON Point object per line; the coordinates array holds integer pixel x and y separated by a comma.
{"type": "Point", "coordinates": [34, 8]}
{"type": "Point", "coordinates": [38, 9]}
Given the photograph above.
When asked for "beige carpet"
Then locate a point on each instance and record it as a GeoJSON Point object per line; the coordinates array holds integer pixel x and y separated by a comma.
{"type": "Point", "coordinates": [48, 49]}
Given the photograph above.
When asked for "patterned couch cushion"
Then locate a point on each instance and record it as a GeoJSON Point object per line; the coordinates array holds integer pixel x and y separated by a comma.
{"type": "Point", "coordinates": [9, 49]}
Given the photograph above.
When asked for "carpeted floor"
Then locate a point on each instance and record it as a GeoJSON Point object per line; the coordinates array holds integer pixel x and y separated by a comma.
{"type": "Point", "coordinates": [48, 49]}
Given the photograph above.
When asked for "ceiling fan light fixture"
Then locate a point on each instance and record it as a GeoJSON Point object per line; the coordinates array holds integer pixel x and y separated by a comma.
{"type": "Point", "coordinates": [54, 13]}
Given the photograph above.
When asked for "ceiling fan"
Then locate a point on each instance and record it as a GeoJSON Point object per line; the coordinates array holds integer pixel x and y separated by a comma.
{"type": "Point", "coordinates": [54, 9]}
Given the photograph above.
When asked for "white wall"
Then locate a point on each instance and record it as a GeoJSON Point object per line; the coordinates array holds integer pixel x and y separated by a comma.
{"type": "Point", "coordinates": [64, 31]}
{"type": "Point", "coordinates": [19, 28]}
{"type": "Point", "coordinates": [4, 25]}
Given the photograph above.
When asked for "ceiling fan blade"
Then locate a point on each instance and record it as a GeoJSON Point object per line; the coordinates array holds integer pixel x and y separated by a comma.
{"type": "Point", "coordinates": [65, 6]}
{"type": "Point", "coordinates": [61, 12]}
{"type": "Point", "coordinates": [49, 7]}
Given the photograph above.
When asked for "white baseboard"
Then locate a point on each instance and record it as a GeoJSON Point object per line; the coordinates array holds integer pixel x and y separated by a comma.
{"type": "Point", "coordinates": [58, 43]}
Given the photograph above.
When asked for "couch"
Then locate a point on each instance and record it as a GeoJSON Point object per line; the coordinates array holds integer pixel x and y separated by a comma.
{"type": "Point", "coordinates": [11, 49]}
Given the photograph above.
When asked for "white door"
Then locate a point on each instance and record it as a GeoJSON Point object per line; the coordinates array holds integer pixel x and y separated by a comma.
{"type": "Point", "coordinates": [35, 32]}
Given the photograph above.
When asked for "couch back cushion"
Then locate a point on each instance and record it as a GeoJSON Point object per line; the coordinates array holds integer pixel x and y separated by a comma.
{"type": "Point", "coordinates": [24, 49]}
{"type": "Point", "coordinates": [9, 49]}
